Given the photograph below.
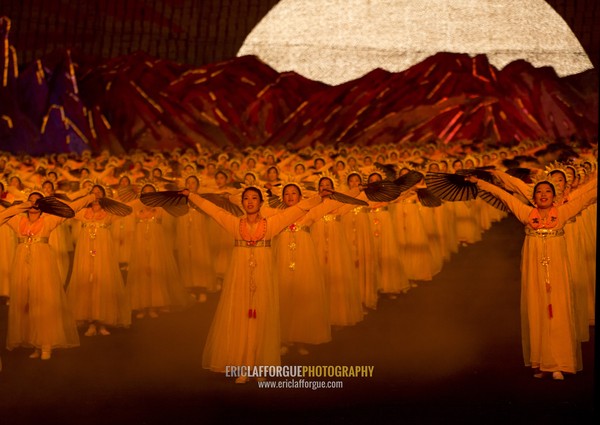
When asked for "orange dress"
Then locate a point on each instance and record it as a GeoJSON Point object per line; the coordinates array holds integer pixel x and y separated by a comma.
{"type": "Point", "coordinates": [246, 327]}
{"type": "Point", "coordinates": [39, 315]}
{"type": "Point", "coordinates": [549, 335]}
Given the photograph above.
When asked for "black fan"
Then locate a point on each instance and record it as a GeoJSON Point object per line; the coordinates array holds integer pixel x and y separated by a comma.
{"type": "Point", "coordinates": [450, 187]}
{"type": "Point", "coordinates": [63, 197]}
{"type": "Point", "coordinates": [223, 201]}
{"type": "Point", "coordinates": [382, 191]}
{"type": "Point", "coordinates": [173, 198]}
{"type": "Point", "coordinates": [115, 207]}
{"type": "Point", "coordinates": [493, 200]}
{"type": "Point", "coordinates": [428, 199]}
{"type": "Point", "coordinates": [166, 198]}
{"type": "Point", "coordinates": [388, 169]}
{"type": "Point", "coordinates": [346, 199]}
{"type": "Point", "coordinates": [128, 193]}
{"type": "Point", "coordinates": [51, 205]}
{"type": "Point", "coordinates": [521, 173]}
{"type": "Point", "coordinates": [480, 173]}
{"type": "Point", "coordinates": [408, 180]}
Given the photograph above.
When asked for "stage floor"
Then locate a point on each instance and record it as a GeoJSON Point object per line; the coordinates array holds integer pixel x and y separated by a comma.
{"type": "Point", "coordinates": [448, 351]}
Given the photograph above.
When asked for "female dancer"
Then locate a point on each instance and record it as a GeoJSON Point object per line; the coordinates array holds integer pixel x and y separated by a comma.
{"type": "Point", "coordinates": [359, 235]}
{"type": "Point", "coordinates": [38, 315]}
{"type": "Point", "coordinates": [193, 249]}
{"type": "Point", "coordinates": [153, 280]}
{"type": "Point", "coordinates": [60, 239]}
{"type": "Point", "coordinates": [304, 301]}
{"type": "Point", "coordinates": [345, 305]}
{"type": "Point", "coordinates": [245, 329]}
{"type": "Point", "coordinates": [96, 292]}
{"type": "Point", "coordinates": [549, 337]}
{"type": "Point", "coordinates": [391, 277]}
{"type": "Point", "coordinates": [8, 242]}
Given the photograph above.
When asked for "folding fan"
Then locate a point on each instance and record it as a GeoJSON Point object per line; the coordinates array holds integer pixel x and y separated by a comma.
{"type": "Point", "coordinates": [382, 191]}
{"type": "Point", "coordinates": [51, 205]}
{"type": "Point", "coordinates": [492, 200]}
{"type": "Point", "coordinates": [428, 199]}
{"type": "Point", "coordinates": [115, 207]}
{"type": "Point", "coordinates": [450, 187]}
{"type": "Point", "coordinates": [408, 180]}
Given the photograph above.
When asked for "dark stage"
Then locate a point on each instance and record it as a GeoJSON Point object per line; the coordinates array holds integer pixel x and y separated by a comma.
{"type": "Point", "coordinates": [447, 352]}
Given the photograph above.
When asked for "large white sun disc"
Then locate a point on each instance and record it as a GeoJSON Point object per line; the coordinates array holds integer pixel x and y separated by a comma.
{"type": "Point", "coordinates": [340, 40]}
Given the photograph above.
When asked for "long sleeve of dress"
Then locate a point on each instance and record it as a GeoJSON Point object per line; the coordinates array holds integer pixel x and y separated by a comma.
{"type": "Point", "coordinates": [514, 184]}
{"type": "Point", "coordinates": [76, 206]}
{"type": "Point", "coordinates": [319, 211]}
{"type": "Point", "coordinates": [583, 190]}
{"type": "Point", "coordinates": [11, 211]}
{"type": "Point", "coordinates": [519, 209]}
{"type": "Point", "coordinates": [225, 219]}
{"type": "Point", "coordinates": [577, 204]}
{"type": "Point", "coordinates": [288, 216]}
{"type": "Point", "coordinates": [82, 202]}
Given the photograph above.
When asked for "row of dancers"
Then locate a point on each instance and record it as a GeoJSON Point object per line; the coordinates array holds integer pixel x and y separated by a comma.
{"type": "Point", "coordinates": [327, 267]}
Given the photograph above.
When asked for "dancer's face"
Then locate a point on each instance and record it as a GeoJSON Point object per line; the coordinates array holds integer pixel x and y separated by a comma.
{"type": "Point", "coordinates": [191, 184]}
{"type": "Point", "coordinates": [559, 181]}
{"type": "Point", "coordinates": [272, 174]}
{"type": "Point", "coordinates": [325, 184]}
{"type": "Point", "coordinates": [354, 181]}
{"type": "Point", "coordinates": [291, 196]}
{"type": "Point", "coordinates": [220, 179]}
{"type": "Point", "coordinates": [543, 196]}
{"type": "Point", "coordinates": [33, 198]}
{"type": "Point", "coordinates": [251, 202]}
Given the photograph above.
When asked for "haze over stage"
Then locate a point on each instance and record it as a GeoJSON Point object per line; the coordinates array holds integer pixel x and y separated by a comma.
{"type": "Point", "coordinates": [449, 351]}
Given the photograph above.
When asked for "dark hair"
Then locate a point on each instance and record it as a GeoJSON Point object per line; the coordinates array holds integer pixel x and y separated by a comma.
{"type": "Point", "coordinates": [101, 189]}
{"type": "Point", "coordinates": [553, 172]}
{"type": "Point", "coordinates": [253, 189]}
{"type": "Point", "coordinates": [291, 185]}
{"type": "Point", "coordinates": [221, 172]}
{"type": "Point", "coordinates": [326, 178]}
{"type": "Point", "coordinates": [545, 182]}
{"type": "Point", "coordinates": [125, 177]}
{"type": "Point", "coordinates": [353, 174]}
{"type": "Point", "coordinates": [374, 174]}
{"type": "Point", "coordinates": [149, 185]}
{"type": "Point", "coordinates": [48, 182]}
{"type": "Point", "coordinates": [193, 178]}
{"type": "Point", "coordinates": [35, 192]}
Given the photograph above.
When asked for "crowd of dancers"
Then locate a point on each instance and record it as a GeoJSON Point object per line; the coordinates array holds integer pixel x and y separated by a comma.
{"type": "Point", "coordinates": [263, 228]}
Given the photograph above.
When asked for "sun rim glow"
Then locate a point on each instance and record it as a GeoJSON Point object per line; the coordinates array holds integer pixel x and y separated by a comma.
{"type": "Point", "coordinates": [335, 41]}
